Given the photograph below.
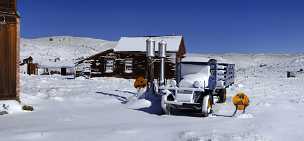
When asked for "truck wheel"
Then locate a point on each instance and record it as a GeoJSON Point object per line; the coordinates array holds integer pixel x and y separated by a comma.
{"type": "Point", "coordinates": [222, 94]}
{"type": "Point", "coordinates": [169, 110]}
{"type": "Point", "coordinates": [166, 107]}
{"type": "Point", "coordinates": [206, 106]}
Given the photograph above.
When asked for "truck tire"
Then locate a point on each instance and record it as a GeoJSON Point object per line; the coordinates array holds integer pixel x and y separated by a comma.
{"type": "Point", "coordinates": [169, 110]}
{"type": "Point", "coordinates": [166, 107]}
{"type": "Point", "coordinates": [206, 106]}
{"type": "Point", "coordinates": [222, 95]}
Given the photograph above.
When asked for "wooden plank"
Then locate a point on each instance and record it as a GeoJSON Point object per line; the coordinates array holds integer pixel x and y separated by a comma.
{"type": "Point", "coordinates": [8, 4]}
{"type": "Point", "coordinates": [2, 80]}
{"type": "Point", "coordinates": [4, 62]}
{"type": "Point", "coordinates": [13, 58]}
{"type": "Point", "coordinates": [17, 45]}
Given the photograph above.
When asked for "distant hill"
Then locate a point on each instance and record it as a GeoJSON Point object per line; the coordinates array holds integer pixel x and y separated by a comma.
{"type": "Point", "coordinates": [282, 62]}
{"type": "Point", "coordinates": [67, 49]}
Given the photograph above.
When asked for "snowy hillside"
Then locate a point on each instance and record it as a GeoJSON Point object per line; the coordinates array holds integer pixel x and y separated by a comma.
{"type": "Point", "coordinates": [66, 48]}
{"type": "Point", "coordinates": [106, 109]}
{"type": "Point", "coordinates": [242, 61]}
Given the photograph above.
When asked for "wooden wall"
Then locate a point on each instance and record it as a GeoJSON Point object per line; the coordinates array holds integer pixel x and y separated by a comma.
{"type": "Point", "coordinates": [139, 65]}
{"type": "Point", "coordinates": [9, 53]}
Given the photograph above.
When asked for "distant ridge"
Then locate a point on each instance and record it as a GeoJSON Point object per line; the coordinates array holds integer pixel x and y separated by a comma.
{"type": "Point", "coordinates": [67, 48]}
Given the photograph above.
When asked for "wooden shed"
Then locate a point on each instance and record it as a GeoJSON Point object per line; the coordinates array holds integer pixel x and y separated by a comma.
{"type": "Point", "coordinates": [128, 58]}
{"type": "Point", "coordinates": [9, 50]}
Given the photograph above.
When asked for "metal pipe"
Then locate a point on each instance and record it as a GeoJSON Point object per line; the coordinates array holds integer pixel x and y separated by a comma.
{"type": "Point", "coordinates": [150, 54]}
{"type": "Point", "coordinates": [162, 47]}
{"type": "Point", "coordinates": [150, 48]}
{"type": "Point", "coordinates": [178, 70]}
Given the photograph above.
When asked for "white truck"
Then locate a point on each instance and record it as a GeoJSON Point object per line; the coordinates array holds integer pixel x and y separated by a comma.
{"type": "Point", "coordinates": [200, 83]}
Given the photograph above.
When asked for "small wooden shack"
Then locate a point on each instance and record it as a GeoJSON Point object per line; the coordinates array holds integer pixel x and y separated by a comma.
{"type": "Point", "coordinates": [128, 58]}
{"type": "Point", "coordinates": [9, 50]}
{"type": "Point", "coordinates": [32, 68]}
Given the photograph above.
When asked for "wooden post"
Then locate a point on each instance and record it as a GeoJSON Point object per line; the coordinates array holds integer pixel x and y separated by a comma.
{"type": "Point", "coordinates": [9, 51]}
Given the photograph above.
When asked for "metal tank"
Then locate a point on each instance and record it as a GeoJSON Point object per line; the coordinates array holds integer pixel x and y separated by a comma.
{"type": "Point", "coordinates": [150, 50]}
{"type": "Point", "coordinates": [162, 49]}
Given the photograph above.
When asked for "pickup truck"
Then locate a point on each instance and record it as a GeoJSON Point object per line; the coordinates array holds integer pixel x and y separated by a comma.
{"type": "Point", "coordinates": [200, 83]}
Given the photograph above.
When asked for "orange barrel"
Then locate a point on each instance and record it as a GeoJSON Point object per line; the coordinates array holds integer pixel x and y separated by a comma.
{"type": "Point", "coordinates": [240, 100]}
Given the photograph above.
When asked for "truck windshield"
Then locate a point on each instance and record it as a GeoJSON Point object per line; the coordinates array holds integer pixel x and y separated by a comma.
{"type": "Point", "coordinates": [188, 68]}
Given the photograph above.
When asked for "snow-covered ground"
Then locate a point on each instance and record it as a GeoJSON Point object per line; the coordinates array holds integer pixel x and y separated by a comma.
{"type": "Point", "coordinates": [105, 109]}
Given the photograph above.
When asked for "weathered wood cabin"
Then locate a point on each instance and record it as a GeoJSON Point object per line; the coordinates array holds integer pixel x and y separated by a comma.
{"type": "Point", "coordinates": [9, 50]}
{"type": "Point", "coordinates": [128, 58]}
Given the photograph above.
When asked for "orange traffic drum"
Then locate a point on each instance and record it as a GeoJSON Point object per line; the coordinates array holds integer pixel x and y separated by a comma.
{"type": "Point", "coordinates": [240, 100]}
{"type": "Point", "coordinates": [140, 82]}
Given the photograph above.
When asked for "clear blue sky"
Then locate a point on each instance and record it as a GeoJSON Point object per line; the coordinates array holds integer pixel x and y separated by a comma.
{"type": "Point", "coordinates": [209, 26]}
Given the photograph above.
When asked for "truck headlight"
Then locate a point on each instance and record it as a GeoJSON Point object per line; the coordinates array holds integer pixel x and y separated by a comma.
{"type": "Point", "coordinates": [198, 84]}
{"type": "Point", "coordinates": [173, 83]}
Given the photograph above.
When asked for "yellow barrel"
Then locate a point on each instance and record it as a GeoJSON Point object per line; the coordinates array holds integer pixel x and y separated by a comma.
{"type": "Point", "coordinates": [240, 100]}
{"type": "Point", "coordinates": [140, 82]}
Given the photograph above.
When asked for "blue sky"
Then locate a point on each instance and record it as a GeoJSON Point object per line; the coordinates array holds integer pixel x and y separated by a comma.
{"type": "Point", "coordinates": [209, 26]}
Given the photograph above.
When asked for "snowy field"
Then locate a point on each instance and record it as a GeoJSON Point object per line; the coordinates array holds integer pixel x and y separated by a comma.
{"type": "Point", "coordinates": [106, 109]}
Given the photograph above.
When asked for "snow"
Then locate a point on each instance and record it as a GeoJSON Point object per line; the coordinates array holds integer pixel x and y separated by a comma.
{"type": "Point", "coordinates": [68, 49]}
{"type": "Point", "coordinates": [109, 109]}
{"type": "Point", "coordinates": [139, 43]}
{"type": "Point", "coordinates": [11, 106]}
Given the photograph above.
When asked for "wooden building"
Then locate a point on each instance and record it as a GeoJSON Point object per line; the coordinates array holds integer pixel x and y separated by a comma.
{"type": "Point", "coordinates": [9, 50]}
{"type": "Point", "coordinates": [60, 70]}
{"type": "Point", "coordinates": [128, 58]}
{"type": "Point", "coordinates": [32, 68]}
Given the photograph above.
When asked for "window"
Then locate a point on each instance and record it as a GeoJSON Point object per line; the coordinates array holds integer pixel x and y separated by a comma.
{"type": "Point", "coordinates": [128, 66]}
{"type": "Point", "coordinates": [109, 66]}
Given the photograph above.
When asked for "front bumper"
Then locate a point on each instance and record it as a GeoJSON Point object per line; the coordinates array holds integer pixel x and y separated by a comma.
{"type": "Point", "coordinates": [183, 105]}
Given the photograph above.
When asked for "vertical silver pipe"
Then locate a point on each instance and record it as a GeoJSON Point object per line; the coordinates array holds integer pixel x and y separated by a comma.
{"type": "Point", "coordinates": [178, 69]}
{"type": "Point", "coordinates": [162, 46]}
{"type": "Point", "coordinates": [150, 54]}
{"type": "Point", "coordinates": [162, 72]}
{"type": "Point", "coordinates": [150, 48]}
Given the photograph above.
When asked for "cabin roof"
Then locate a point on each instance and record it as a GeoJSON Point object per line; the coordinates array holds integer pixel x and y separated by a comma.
{"type": "Point", "coordinates": [138, 44]}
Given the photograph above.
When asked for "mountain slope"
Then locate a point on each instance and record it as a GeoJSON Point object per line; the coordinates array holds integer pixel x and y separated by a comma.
{"type": "Point", "coordinates": [68, 49]}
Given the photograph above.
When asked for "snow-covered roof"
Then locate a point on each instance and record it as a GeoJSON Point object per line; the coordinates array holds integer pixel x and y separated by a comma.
{"type": "Point", "coordinates": [139, 43]}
